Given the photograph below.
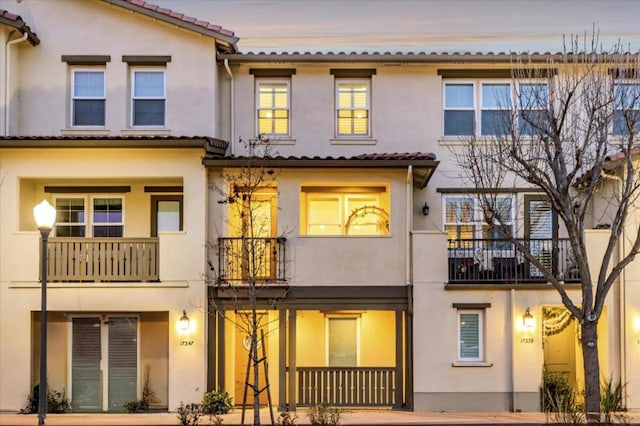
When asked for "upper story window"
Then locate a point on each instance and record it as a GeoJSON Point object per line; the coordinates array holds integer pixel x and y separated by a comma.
{"type": "Point", "coordinates": [148, 98]}
{"type": "Point", "coordinates": [626, 116]}
{"type": "Point", "coordinates": [353, 107]}
{"type": "Point", "coordinates": [345, 210]}
{"type": "Point", "coordinates": [483, 108]}
{"type": "Point", "coordinates": [273, 107]}
{"type": "Point", "coordinates": [88, 98]}
{"type": "Point", "coordinates": [96, 217]}
{"type": "Point", "coordinates": [464, 220]}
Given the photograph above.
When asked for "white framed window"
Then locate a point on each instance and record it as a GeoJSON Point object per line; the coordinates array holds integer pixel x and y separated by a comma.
{"type": "Point", "coordinates": [88, 97]}
{"type": "Point", "coordinates": [70, 217]}
{"type": "Point", "coordinates": [98, 216]}
{"type": "Point", "coordinates": [273, 107]}
{"type": "Point", "coordinates": [470, 335]}
{"type": "Point", "coordinates": [626, 115]}
{"type": "Point", "coordinates": [343, 341]}
{"type": "Point", "coordinates": [353, 107]}
{"type": "Point", "coordinates": [148, 98]}
{"type": "Point", "coordinates": [484, 107]}
{"type": "Point", "coordinates": [464, 220]}
{"type": "Point", "coordinates": [533, 100]}
{"type": "Point", "coordinates": [349, 211]}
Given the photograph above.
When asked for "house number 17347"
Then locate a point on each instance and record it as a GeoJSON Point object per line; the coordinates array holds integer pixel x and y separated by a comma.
{"type": "Point", "coordinates": [186, 343]}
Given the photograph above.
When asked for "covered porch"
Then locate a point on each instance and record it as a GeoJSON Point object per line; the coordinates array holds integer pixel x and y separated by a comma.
{"type": "Point", "coordinates": [339, 346]}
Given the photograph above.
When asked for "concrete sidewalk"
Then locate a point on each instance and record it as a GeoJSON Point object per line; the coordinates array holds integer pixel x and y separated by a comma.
{"type": "Point", "coordinates": [349, 418]}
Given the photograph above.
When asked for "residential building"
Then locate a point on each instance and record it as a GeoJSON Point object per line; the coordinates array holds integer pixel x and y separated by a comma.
{"type": "Point", "coordinates": [379, 285]}
{"type": "Point", "coordinates": [109, 125]}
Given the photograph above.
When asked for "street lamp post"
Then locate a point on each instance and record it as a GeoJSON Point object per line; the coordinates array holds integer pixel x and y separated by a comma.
{"type": "Point", "coordinates": [45, 215]}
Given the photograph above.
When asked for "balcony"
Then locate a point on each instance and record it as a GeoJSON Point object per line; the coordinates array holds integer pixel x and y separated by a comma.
{"type": "Point", "coordinates": [485, 261]}
{"type": "Point", "coordinates": [102, 259]}
{"type": "Point", "coordinates": [241, 260]}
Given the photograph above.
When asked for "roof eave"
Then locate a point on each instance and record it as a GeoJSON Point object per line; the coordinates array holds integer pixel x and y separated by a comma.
{"type": "Point", "coordinates": [205, 143]}
{"type": "Point", "coordinates": [226, 43]}
{"type": "Point", "coordinates": [388, 57]}
{"type": "Point", "coordinates": [21, 26]}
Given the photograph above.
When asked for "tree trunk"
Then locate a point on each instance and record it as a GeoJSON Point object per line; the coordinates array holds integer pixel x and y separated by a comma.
{"type": "Point", "coordinates": [256, 372]}
{"type": "Point", "coordinates": [591, 370]}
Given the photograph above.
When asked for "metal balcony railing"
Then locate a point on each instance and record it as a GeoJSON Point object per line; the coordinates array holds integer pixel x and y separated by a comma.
{"type": "Point", "coordinates": [498, 261]}
{"type": "Point", "coordinates": [102, 259]}
{"type": "Point", "coordinates": [251, 260]}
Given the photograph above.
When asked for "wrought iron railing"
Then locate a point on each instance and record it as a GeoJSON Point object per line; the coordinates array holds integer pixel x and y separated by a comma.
{"type": "Point", "coordinates": [346, 386]}
{"type": "Point", "coordinates": [500, 261]}
{"type": "Point", "coordinates": [251, 260]}
{"type": "Point", "coordinates": [102, 259]}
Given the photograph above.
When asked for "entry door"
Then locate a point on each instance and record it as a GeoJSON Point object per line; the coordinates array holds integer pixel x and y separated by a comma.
{"type": "Point", "coordinates": [255, 223]}
{"type": "Point", "coordinates": [541, 230]}
{"type": "Point", "coordinates": [104, 361]}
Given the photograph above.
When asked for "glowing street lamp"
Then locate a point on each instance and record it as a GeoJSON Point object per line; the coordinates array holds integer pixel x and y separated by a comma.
{"type": "Point", "coordinates": [45, 215]}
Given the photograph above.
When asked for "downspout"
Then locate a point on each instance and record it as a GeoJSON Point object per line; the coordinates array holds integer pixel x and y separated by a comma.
{"type": "Point", "coordinates": [512, 304]}
{"type": "Point", "coordinates": [409, 220]}
{"type": "Point", "coordinates": [408, 376]}
{"type": "Point", "coordinates": [232, 103]}
{"type": "Point", "coordinates": [7, 71]}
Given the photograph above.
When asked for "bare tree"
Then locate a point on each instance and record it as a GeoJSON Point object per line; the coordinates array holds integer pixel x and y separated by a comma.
{"type": "Point", "coordinates": [569, 128]}
{"type": "Point", "coordinates": [249, 258]}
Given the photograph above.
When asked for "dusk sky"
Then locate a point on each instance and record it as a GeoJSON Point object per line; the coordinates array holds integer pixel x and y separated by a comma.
{"type": "Point", "coordinates": [415, 25]}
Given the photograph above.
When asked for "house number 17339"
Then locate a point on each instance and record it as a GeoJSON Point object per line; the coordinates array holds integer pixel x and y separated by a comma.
{"type": "Point", "coordinates": [526, 340]}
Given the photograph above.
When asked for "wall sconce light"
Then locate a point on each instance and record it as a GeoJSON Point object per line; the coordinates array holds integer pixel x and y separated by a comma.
{"type": "Point", "coordinates": [425, 209]}
{"type": "Point", "coordinates": [183, 322]}
{"type": "Point", "coordinates": [527, 319]}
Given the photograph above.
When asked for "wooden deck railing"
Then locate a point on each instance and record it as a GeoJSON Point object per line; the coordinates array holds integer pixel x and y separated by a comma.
{"type": "Point", "coordinates": [244, 259]}
{"type": "Point", "coordinates": [346, 386]}
{"type": "Point", "coordinates": [498, 261]}
{"type": "Point", "coordinates": [102, 259]}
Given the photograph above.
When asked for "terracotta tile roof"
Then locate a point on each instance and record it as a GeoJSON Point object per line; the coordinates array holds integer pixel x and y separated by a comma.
{"type": "Point", "coordinates": [15, 21]}
{"type": "Point", "coordinates": [226, 39]}
{"type": "Point", "coordinates": [211, 145]}
{"type": "Point", "coordinates": [423, 164]}
{"type": "Point", "coordinates": [417, 57]}
{"type": "Point", "coordinates": [389, 157]}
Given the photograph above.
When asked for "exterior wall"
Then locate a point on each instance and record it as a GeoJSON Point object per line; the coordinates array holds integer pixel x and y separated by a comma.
{"type": "Point", "coordinates": [363, 260]}
{"type": "Point", "coordinates": [44, 80]}
{"type": "Point", "coordinates": [182, 258]}
{"type": "Point", "coordinates": [510, 377]}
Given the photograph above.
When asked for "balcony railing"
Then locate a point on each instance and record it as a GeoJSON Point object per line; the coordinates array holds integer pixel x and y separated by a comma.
{"type": "Point", "coordinates": [246, 260]}
{"type": "Point", "coordinates": [498, 261]}
{"type": "Point", "coordinates": [102, 259]}
{"type": "Point", "coordinates": [346, 386]}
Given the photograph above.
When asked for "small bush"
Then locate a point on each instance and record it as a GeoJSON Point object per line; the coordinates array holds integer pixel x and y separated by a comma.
{"type": "Point", "coordinates": [216, 402]}
{"type": "Point", "coordinates": [612, 402]}
{"type": "Point", "coordinates": [57, 402]}
{"type": "Point", "coordinates": [141, 404]}
{"type": "Point", "coordinates": [287, 419]}
{"type": "Point", "coordinates": [323, 415]}
{"type": "Point", "coordinates": [189, 414]}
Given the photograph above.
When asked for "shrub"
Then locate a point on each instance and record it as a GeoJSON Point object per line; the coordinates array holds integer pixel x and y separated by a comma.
{"type": "Point", "coordinates": [612, 402]}
{"type": "Point", "coordinates": [141, 404]}
{"type": "Point", "coordinates": [216, 402]}
{"type": "Point", "coordinates": [323, 415]}
{"type": "Point", "coordinates": [189, 414]}
{"type": "Point", "coordinates": [57, 402]}
{"type": "Point", "coordinates": [287, 419]}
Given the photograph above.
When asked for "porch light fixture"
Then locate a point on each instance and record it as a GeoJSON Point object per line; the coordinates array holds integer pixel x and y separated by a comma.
{"type": "Point", "coordinates": [425, 209]}
{"type": "Point", "coordinates": [45, 216]}
{"type": "Point", "coordinates": [183, 322]}
{"type": "Point", "coordinates": [527, 319]}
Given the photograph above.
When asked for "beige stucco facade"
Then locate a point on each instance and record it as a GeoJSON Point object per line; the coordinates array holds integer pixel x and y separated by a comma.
{"type": "Point", "coordinates": [395, 288]}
